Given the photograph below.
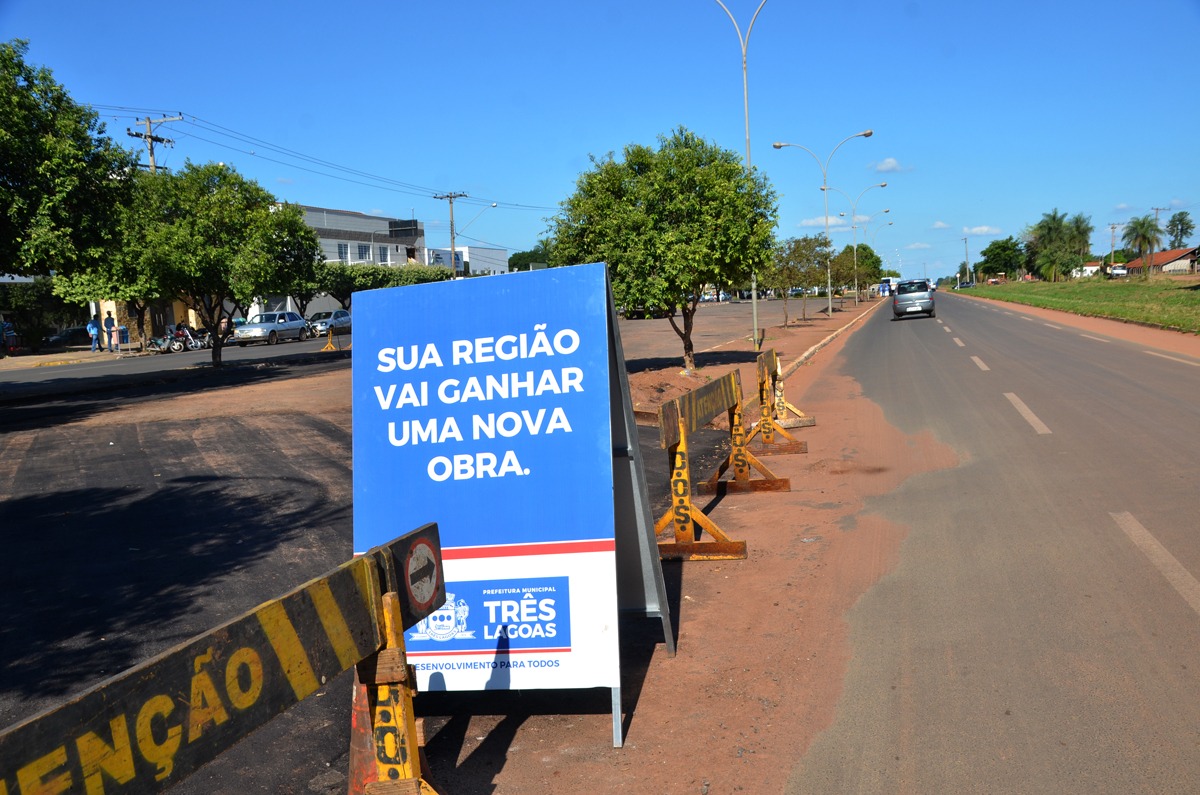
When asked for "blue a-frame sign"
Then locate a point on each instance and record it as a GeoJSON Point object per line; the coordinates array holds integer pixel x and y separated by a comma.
{"type": "Point", "coordinates": [498, 407]}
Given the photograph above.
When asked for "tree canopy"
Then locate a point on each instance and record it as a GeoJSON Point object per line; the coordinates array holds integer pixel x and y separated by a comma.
{"type": "Point", "coordinates": [214, 237]}
{"type": "Point", "coordinates": [1056, 246]}
{"type": "Point", "coordinates": [1179, 228]}
{"type": "Point", "coordinates": [1001, 256]}
{"type": "Point", "coordinates": [798, 264]}
{"type": "Point", "coordinates": [62, 179]}
{"type": "Point", "coordinates": [668, 222]}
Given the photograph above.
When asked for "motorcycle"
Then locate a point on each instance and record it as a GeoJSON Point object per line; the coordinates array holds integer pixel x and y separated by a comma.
{"type": "Point", "coordinates": [184, 340]}
{"type": "Point", "coordinates": [159, 344]}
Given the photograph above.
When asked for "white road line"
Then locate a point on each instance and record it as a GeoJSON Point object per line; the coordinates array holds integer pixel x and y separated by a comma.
{"type": "Point", "coordinates": [1181, 580]}
{"type": "Point", "coordinates": [979, 363]}
{"type": "Point", "coordinates": [947, 329]}
{"type": "Point", "coordinates": [1051, 325]}
{"type": "Point", "coordinates": [1029, 416]}
{"type": "Point", "coordinates": [1172, 358]}
{"type": "Point", "coordinates": [959, 342]}
{"type": "Point", "coordinates": [1090, 337]}
{"type": "Point", "coordinates": [1027, 317]}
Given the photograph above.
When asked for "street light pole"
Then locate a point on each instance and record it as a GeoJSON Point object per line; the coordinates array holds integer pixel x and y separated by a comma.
{"type": "Point", "coordinates": [825, 191]}
{"type": "Point", "coordinates": [744, 41]}
{"type": "Point", "coordinates": [854, 228]}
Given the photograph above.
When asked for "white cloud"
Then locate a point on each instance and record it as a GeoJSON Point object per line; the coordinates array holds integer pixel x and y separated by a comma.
{"type": "Point", "coordinates": [980, 230]}
{"type": "Point", "coordinates": [1177, 203]}
{"type": "Point", "coordinates": [1123, 208]}
{"type": "Point", "coordinates": [940, 225]}
{"type": "Point", "coordinates": [819, 221]}
{"type": "Point", "coordinates": [917, 246]}
{"type": "Point", "coordinates": [285, 181]}
{"type": "Point", "coordinates": [889, 165]}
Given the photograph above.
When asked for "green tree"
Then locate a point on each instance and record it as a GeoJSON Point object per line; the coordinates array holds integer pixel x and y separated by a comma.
{"type": "Point", "coordinates": [34, 310]}
{"type": "Point", "coordinates": [797, 264]}
{"type": "Point", "coordinates": [870, 265]}
{"type": "Point", "coordinates": [223, 239]}
{"type": "Point", "coordinates": [1001, 256]}
{"type": "Point", "coordinates": [538, 255]}
{"type": "Point", "coordinates": [668, 222]}
{"type": "Point", "coordinates": [1180, 228]}
{"type": "Point", "coordinates": [62, 179]}
{"type": "Point", "coordinates": [1079, 234]}
{"type": "Point", "coordinates": [1143, 236]}
{"type": "Point", "coordinates": [134, 273]}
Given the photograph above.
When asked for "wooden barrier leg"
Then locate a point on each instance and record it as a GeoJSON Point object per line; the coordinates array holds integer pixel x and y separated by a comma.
{"type": "Point", "coordinates": [742, 462]}
{"type": "Point", "coordinates": [685, 517]}
{"type": "Point", "coordinates": [390, 683]}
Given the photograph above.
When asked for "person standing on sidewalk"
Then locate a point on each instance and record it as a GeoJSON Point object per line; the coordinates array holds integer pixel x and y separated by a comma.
{"type": "Point", "coordinates": [110, 331]}
{"type": "Point", "coordinates": [93, 330]}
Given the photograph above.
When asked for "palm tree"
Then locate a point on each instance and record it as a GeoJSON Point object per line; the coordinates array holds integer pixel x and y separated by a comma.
{"type": "Point", "coordinates": [1143, 236]}
{"type": "Point", "coordinates": [1051, 229]}
{"type": "Point", "coordinates": [1079, 230]}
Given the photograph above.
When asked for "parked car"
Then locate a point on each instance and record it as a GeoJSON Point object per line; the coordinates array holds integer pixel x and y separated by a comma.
{"type": "Point", "coordinates": [76, 335]}
{"type": "Point", "coordinates": [1118, 272]}
{"type": "Point", "coordinates": [271, 327]}
{"type": "Point", "coordinates": [322, 322]}
{"type": "Point", "coordinates": [913, 297]}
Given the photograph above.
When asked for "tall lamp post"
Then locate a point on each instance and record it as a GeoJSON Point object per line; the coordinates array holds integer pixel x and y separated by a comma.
{"type": "Point", "coordinates": [825, 192]}
{"type": "Point", "coordinates": [744, 41]}
{"type": "Point", "coordinates": [854, 227]}
{"type": "Point", "coordinates": [875, 234]}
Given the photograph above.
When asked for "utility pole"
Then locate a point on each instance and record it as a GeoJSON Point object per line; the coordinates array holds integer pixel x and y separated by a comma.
{"type": "Point", "coordinates": [451, 197]}
{"type": "Point", "coordinates": [150, 138]}
{"type": "Point", "coordinates": [1112, 244]}
{"type": "Point", "coordinates": [967, 260]}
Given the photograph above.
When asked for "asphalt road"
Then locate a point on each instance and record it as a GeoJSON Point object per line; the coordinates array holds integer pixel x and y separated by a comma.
{"type": "Point", "coordinates": [1040, 631]}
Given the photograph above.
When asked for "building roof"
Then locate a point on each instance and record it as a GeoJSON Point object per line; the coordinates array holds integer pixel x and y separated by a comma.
{"type": "Point", "coordinates": [1161, 258]}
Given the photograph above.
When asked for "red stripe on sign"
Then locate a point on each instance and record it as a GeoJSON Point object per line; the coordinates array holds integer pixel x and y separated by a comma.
{"type": "Point", "coordinates": [520, 550]}
{"type": "Point", "coordinates": [487, 653]}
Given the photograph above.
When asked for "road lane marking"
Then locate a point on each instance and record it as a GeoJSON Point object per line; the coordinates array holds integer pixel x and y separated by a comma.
{"type": "Point", "coordinates": [1090, 337]}
{"type": "Point", "coordinates": [1051, 325]}
{"type": "Point", "coordinates": [1027, 317]}
{"type": "Point", "coordinates": [1172, 358]}
{"type": "Point", "coordinates": [979, 363]}
{"type": "Point", "coordinates": [947, 329]}
{"type": "Point", "coordinates": [1181, 580]}
{"type": "Point", "coordinates": [1029, 416]}
{"type": "Point", "coordinates": [959, 343]}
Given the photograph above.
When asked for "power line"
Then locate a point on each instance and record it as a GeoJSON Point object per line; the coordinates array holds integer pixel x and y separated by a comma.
{"type": "Point", "coordinates": [309, 163]}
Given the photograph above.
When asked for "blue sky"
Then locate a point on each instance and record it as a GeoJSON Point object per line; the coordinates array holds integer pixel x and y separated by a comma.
{"type": "Point", "coordinates": [985, 116]}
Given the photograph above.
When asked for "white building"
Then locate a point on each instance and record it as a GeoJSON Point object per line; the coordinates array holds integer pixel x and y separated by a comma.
{"type": "Point", "coordinates": [471, 260]}
{"type": "Point", "coordinates": [359, 239]}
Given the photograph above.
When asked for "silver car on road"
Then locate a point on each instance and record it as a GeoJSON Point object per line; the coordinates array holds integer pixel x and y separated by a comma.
{"type": "Point", "coordinates": [271, 327]}
{"type": "Point", "coordinates": [913, 297]}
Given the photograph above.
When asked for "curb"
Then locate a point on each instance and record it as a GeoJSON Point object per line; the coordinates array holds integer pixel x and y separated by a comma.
{"type": "Point", "coordinates": [808, 354]}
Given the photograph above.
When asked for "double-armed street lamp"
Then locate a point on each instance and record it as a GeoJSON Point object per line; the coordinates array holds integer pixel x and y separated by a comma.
{"type": "Point", "coordinates": [854, 227]}
{"type": "Point", "coordinates": [825, 191]}
{"type": "Point", "coordinates": [744, 41]}
{"type": "Point", "coordinates": [875, 234]}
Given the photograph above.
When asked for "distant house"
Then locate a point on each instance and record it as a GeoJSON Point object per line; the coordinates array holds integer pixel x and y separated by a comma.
{"type": "Point", "coordinates": [1086, 269]}
{"type": "Point", "coordinates": [1175, 261]}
